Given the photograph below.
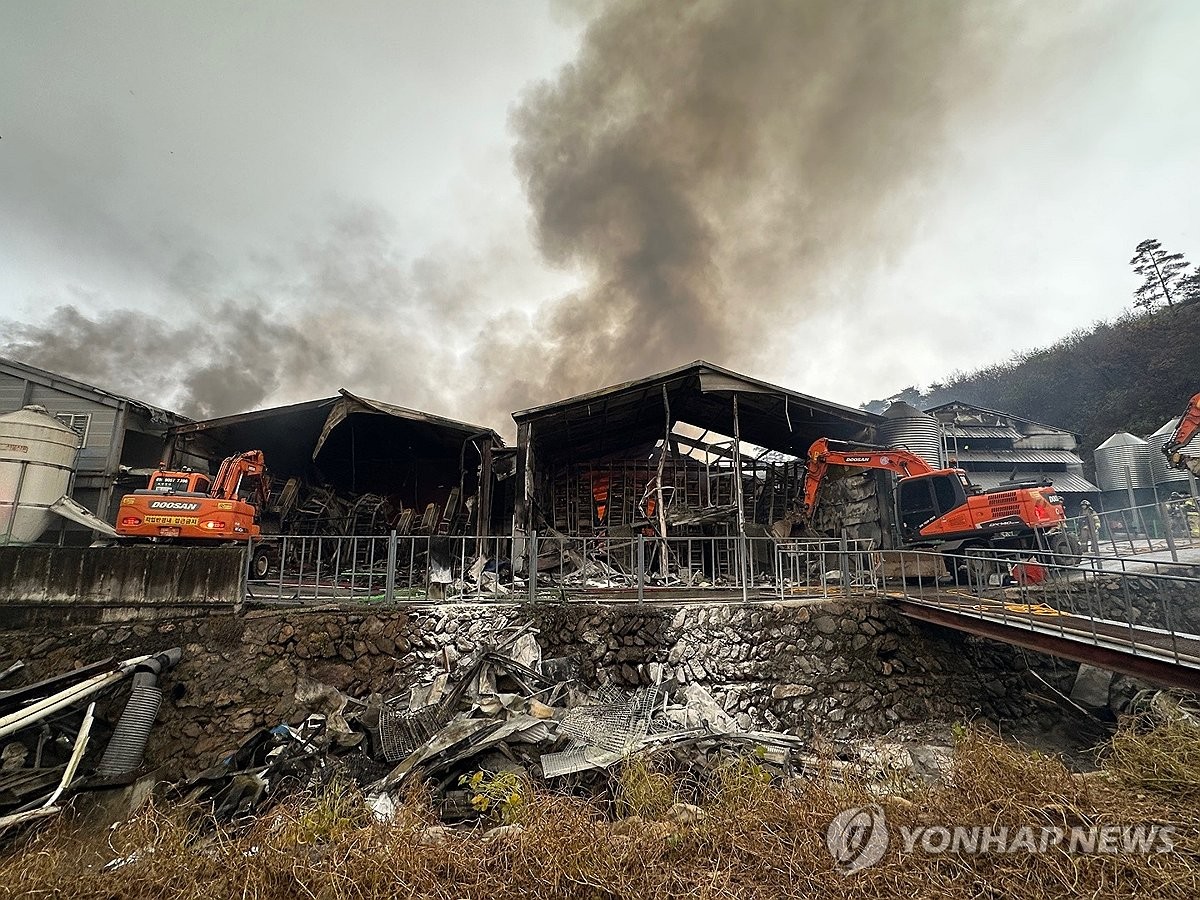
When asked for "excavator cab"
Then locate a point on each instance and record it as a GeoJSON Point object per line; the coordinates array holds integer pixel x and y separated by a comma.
{"type": "Point", "coordinates": [924, 498]}
{"type": "Point", "coordinates": [183, 481]}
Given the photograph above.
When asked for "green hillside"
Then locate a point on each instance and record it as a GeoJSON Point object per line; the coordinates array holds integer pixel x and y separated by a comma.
{"type": "Point", "coordinates": [1131, 374]}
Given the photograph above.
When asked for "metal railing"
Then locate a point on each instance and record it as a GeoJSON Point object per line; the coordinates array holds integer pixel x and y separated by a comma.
{"type": "Point", "coordinates": [396, 568]}
{"type": "Point", "coordinates": [407, 568]}
{"type": "Point", "coordinates": [1149, 608]}
{"type": "Point", "coordinates": [1138, 607]}
{"type": "Point", "coordinates": [1169, 526]}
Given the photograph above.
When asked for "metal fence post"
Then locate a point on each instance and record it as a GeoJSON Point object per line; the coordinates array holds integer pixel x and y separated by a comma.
{"type": "Point", "coordinates": [389, 588]}
{"type": "Point", "coordinates": [844, 563]}
{"type": "Point", "coordinates": [641, 566]}
{"type": "Point", "coordinates": [245, 587]}
{"type": "Point", "coordinates": [744, 566]}
{"type": "Point", "coordinates": [533, 558]}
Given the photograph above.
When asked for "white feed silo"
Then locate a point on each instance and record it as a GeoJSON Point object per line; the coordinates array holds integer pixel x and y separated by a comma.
{"type": "Point", "coordinates": [1123, 463]}
{"type": "Point", "coordinates": [908, 427]}
{"type": "Point", "coordinates": [37, 456]}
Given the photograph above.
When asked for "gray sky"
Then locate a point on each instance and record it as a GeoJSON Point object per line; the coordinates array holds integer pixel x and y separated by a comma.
{"type": "Point", "coordinates": [379, 195]}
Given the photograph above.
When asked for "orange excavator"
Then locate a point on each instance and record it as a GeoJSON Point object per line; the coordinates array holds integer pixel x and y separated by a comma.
{"type": "Point", "coordinates": [1184, 432]}
{"type": "Point", "coordinates": [941, 508]}
{"type": "Point", "coordinates": [182, 505]}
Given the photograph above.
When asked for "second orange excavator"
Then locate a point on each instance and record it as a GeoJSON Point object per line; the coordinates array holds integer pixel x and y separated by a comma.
{"type": "Point", "coordinates": [1188, 425]}
{"type": "Point", "coordinates": [941, 508]}
{"type": "Point", "coordinates": [186, 506]}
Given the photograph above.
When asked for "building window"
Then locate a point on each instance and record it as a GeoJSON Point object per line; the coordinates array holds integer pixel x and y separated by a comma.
{"type": "Point", "coordinates": [78, 423]}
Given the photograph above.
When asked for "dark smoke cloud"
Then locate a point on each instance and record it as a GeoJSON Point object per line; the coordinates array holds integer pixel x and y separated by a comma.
{"type": "Point", "coordinates": [346, 310]}
{"type": "Point", "coordinates": [233, 359]}
{"type": "Point", "coordinates": [711, 164]}
{"type": "Point", "coordinates": [704, 166]}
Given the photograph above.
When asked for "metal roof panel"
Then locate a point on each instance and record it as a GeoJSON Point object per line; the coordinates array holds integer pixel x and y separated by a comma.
{"type": "Point", "coordinates": [1018, 457]}
{"type": "Point", "coordinates": [1065, 482]}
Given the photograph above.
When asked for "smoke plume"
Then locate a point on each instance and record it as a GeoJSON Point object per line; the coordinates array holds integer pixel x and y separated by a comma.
{"type": "Point", "coordinates": [711, 166]}
{"type": "Point", "coordinates": [714, 172]}
{"type": "Point", "coordinates": [347, 310]}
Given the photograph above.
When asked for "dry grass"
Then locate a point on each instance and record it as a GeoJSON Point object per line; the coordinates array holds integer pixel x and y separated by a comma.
{"type": "Point", "coordinates": [1167, 762]}
{"type": "Point", "coordinates": [756, 840]}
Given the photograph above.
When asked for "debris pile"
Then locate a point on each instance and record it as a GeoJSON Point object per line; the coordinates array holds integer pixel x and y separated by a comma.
{"type": "Point", "coordinates": [506, 714]}
{"type": "Point", "coordinates": [305, 509]}
{"type": "Point", "coordinates": [54, 744]}
{"type": "Point", "coordinates": [773, 564]}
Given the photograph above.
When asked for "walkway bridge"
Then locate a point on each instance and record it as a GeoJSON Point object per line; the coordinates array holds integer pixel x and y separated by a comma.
{"type": "Point", "coordinates": [1134, 616]}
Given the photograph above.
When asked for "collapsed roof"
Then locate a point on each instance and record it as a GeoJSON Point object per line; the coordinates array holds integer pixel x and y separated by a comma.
{"type": "Point", "coordinates": [353, 443]}
{"type": "Point", "coordinates": [629, 415]}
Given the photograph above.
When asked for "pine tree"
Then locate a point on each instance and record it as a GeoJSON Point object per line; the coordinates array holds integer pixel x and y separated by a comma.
{"type": "Point", "coordinates": [1163, 275]}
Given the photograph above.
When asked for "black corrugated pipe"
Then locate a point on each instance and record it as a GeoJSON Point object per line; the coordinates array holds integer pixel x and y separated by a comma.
{"type": "Point", "coordinates": [128, 743]}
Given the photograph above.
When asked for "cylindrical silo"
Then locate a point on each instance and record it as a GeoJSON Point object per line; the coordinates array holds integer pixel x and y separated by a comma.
{"type": "Point", "coordinates": [37, 455]}
{"type": "Point", "coordinates": [1123, 463]}
{"type": "Point", "coordinates": [908, 427]}
{"type": "Point", "coordinates": [1161, 470]}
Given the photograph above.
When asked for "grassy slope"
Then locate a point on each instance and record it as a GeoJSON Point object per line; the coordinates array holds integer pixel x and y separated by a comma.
{"type": "Point", "coordinates": [754, 839]}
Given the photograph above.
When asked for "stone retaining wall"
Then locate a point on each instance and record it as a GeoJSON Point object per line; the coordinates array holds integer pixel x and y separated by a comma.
{"type": "Point", "coordinates": [836, 668]}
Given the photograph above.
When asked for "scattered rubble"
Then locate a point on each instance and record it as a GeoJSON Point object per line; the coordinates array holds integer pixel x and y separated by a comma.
{"type": "Point", "coordinates": [52, 736]}
{"type": "Point", "coordinates": [488, 716]}
{"type": "Point", "coordinates": [504, 718]}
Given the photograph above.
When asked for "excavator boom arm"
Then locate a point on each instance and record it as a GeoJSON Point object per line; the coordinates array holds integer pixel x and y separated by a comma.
{"type": "Point", "coordinates": [234, 469]}
{"type": "Point", "coordinates": [821, 456]}
{"type": "Point", "coordinates": [1187, 428]}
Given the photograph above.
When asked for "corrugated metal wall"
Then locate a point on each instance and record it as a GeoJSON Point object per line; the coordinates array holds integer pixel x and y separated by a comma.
{"type": "Point", "coordinates": [12, 392]}
{"type": "Point", "coordinates": [94, 455]}
{"type": "Point", "coordinates": [90, 477]}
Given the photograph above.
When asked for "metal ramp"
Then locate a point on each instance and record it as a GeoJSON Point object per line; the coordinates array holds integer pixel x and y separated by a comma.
{"type": "Point", "coordinates": [1133, 621]}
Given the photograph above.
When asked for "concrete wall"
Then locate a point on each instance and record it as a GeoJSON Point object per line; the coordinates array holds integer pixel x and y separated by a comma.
{"type": "Point", "coordinates": [93, 584]}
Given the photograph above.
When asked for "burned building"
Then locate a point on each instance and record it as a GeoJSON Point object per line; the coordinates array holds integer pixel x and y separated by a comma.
{"type": "Point", "coordinates": [696, 452]}
{"type": "Point", "coordinates": [349, 465]}
{"type": "Point", "coordinates": [120, 438]}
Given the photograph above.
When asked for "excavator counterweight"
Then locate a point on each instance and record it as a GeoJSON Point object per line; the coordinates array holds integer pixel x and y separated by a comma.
{"type": "Point", "coordinates": [186, 506]}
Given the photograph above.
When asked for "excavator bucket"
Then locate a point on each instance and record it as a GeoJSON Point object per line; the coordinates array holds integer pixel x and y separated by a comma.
{"type": "Point", "coordinates": [1191, 463]}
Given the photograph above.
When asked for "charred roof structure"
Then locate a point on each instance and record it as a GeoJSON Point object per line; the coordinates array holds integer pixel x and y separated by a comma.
{"type": "Point", "coordinates": [348, 464]}
{"type": "Point", "coordinates": [698, 450]}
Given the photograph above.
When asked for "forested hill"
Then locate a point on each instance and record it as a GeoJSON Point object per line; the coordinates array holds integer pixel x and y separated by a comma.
{"type": "Point", "coordinates": [1128, 375]}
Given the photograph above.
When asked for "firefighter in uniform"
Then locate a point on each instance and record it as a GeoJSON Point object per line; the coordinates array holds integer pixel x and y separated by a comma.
{"type": "Point", "coordinates": [1185, 518]}
{"type": "Point", "coordinates": [1090, 526]}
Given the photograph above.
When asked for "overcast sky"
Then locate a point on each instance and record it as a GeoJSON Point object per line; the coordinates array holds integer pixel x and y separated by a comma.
{"type": "Point", "coordinates": [347, 171]}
